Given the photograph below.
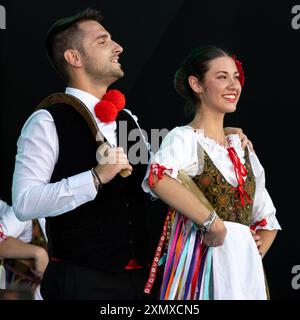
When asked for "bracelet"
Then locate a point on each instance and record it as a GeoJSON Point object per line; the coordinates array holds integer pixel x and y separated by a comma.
{"type": "Point", "coordinates": [205, 226]}
{"type": "Point", "coordinates": [97, 179]}
{"type": "Point", "coordinates": [214, 217]}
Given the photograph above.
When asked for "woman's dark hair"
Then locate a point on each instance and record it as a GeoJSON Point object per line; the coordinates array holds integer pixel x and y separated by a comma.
{"type": "Point", "coordinates": [195, 64]}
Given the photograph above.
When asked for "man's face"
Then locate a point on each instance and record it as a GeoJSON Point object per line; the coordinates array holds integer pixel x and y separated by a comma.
{"type": "Point", "coordinates": [100, 53]}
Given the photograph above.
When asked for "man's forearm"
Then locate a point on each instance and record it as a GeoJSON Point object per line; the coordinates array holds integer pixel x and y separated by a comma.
{"type": "Point", "coordinates": [52, 199]}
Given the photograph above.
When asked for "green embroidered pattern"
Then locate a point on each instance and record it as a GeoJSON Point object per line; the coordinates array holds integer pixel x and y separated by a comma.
{"type": "Point", "coordinates": [222, 196]}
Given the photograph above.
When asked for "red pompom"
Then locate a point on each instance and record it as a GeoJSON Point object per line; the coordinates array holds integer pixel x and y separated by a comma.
{"type": "Point", "coordinates": [116, 97]}
{"type": "Point", "coordinates": [106, 111]}
{"type": "Point", "coordinates": [239, 66]}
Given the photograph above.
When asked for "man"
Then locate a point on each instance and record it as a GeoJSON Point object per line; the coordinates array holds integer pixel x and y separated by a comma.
{"type": "Point", "coordinates": [99, 233]}
{"type": "Point", "coordinates": [99, 239]}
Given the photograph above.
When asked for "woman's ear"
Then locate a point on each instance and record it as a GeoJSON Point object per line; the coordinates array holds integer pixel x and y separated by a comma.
{"type": "Point", "coordinates": [195, 84]}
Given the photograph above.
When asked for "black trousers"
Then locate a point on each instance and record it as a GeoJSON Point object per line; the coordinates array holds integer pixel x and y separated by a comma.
{"type": "Point", "coordinates": [63, 281]}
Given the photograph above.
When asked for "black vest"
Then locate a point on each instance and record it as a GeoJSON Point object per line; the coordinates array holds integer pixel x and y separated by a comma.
{"type": "Point", "coordinates": [106, 232]}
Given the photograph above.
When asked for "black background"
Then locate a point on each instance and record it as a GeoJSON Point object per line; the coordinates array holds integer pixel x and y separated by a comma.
{"type": "Point", "coordinates": [156, 36]}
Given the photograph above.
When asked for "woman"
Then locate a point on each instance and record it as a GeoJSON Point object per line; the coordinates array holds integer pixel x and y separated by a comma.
{"type": "Point", "coordinates": [212, 250]}
{"type": "Point", "coordinates": [23, 251]}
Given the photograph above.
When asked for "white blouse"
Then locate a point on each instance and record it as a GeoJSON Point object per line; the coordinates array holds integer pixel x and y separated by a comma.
{"type": "Point", "coordinates": [181, 150]}
{"type": "Point", "coordinates": [10, 226]}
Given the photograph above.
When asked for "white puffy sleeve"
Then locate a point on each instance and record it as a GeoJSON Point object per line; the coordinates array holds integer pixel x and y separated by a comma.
{"type": "Point", "coordinates": [178, 151]}
{"type": "Point", "coordinates": [263, 207]}
{"type": "Point", "coordinates": [10, 226]}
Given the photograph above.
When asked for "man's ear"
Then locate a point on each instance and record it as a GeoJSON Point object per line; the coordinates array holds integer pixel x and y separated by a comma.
{"type": "Point", "coordinates": [73, 57]}
{"type": "Point", "coordinates": [195, 84]}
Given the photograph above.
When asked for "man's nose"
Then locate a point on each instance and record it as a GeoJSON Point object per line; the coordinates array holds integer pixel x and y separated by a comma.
{"type": "Point", "coordinates": [117, 48]}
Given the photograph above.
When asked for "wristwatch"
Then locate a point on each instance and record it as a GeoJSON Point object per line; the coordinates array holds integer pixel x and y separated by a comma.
{"type": "Point", "coordinates": [205, 226]}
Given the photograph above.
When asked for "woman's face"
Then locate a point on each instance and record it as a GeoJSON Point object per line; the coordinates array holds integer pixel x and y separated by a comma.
{"type": "Point", "coordinates": [221, 87]}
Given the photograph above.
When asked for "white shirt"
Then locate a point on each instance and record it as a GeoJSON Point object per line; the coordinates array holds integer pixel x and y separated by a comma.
{"type": "Point", "coordinates": [38, 149]}
{"type": "Point", "coordinates": [178, 151]}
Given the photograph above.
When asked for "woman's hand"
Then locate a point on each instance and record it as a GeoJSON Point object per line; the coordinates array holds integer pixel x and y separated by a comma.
{"type": "Point", "coordinates": [41, 260]}
{"type": "Point", "coordinates": [216, 234]}
{"type": "Point", "coordinates": [258, 241]}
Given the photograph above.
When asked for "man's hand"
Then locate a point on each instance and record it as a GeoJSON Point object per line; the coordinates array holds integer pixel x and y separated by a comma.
{"type": "Point", "coordinates": [258, 241]}
{"type": "Point", "coordinates": [216, 234]}
{"type": "Point", "coordinates": [245, 141]}
{"type": "Point", "coordinates": [110, 163]}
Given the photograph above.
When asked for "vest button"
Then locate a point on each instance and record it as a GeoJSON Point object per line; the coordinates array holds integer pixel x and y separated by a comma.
{"type": "Point", "coordinates": [131, 241]}
{"type": "Point", "coordinates": [129, 223]}
{"type": "Point", "coordinates": [127, 204]}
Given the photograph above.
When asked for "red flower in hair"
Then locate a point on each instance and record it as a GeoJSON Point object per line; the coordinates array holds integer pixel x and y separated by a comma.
{"type": "Point", "coordinates": [240, 70]}
{"type": "Point", "coordinates": [112, 102]}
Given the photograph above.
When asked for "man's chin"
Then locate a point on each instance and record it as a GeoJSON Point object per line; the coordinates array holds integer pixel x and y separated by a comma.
{"type": "Point", "coordinates": [116, 76]}
{"type": "Point", "coordinates": [120, 74]}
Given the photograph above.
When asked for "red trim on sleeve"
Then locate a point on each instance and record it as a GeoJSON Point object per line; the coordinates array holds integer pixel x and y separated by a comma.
{"type": "Point", "coordinates": [260, 223]}
{"type": "Point", "coordinates": [2, 235]}
{"type": "Point", "coordinates": [157, 169]}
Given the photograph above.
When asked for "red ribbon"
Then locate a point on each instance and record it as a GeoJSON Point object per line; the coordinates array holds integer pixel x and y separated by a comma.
{"type": "Point", "coordinates": [197, 265]}
{"type": "Point", "coordinates": [160, 170]}
{"type": "Point", "coordinates": [243, 194]}
{"type": "Point", "coordinates": [239, 168]}
{"type": "Point", "coordinates": [260, 223]}
{"type": "Point", "coordinates": [158, 253]}
{"type": "Point", "coordinates": [240, 172]}
{"type": "Point", "coordinates": [2, 235]}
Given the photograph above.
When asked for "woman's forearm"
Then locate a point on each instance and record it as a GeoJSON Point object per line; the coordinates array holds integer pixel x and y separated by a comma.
{"type": "Point", "coordinates": [180, 198]}
{"type": "Point", "coordinates": [13, 248]}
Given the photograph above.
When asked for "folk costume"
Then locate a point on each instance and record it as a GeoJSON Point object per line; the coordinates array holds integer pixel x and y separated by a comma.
{"type": "Point", "coordinates": [16, 273]}
{"type": "Point", "coordinates": [99, 240]}
{"type": "Point", "coordinates": [233, 182]}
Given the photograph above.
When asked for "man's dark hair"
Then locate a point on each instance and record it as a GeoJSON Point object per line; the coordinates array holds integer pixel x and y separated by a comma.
{"type": "Point", "coordinates": [65, 34]}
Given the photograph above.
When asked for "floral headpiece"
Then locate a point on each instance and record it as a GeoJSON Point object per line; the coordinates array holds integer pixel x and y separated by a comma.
{"type": "Point", "coordinates": [240, 70]}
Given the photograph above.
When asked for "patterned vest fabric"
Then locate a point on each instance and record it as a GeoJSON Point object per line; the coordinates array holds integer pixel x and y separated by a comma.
{"type": "Point", "coordinates": [222, 195]}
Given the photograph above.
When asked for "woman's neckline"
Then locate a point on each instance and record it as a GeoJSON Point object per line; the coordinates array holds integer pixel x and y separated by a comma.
{"type": "Point", "coordinates": [223, 146]}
